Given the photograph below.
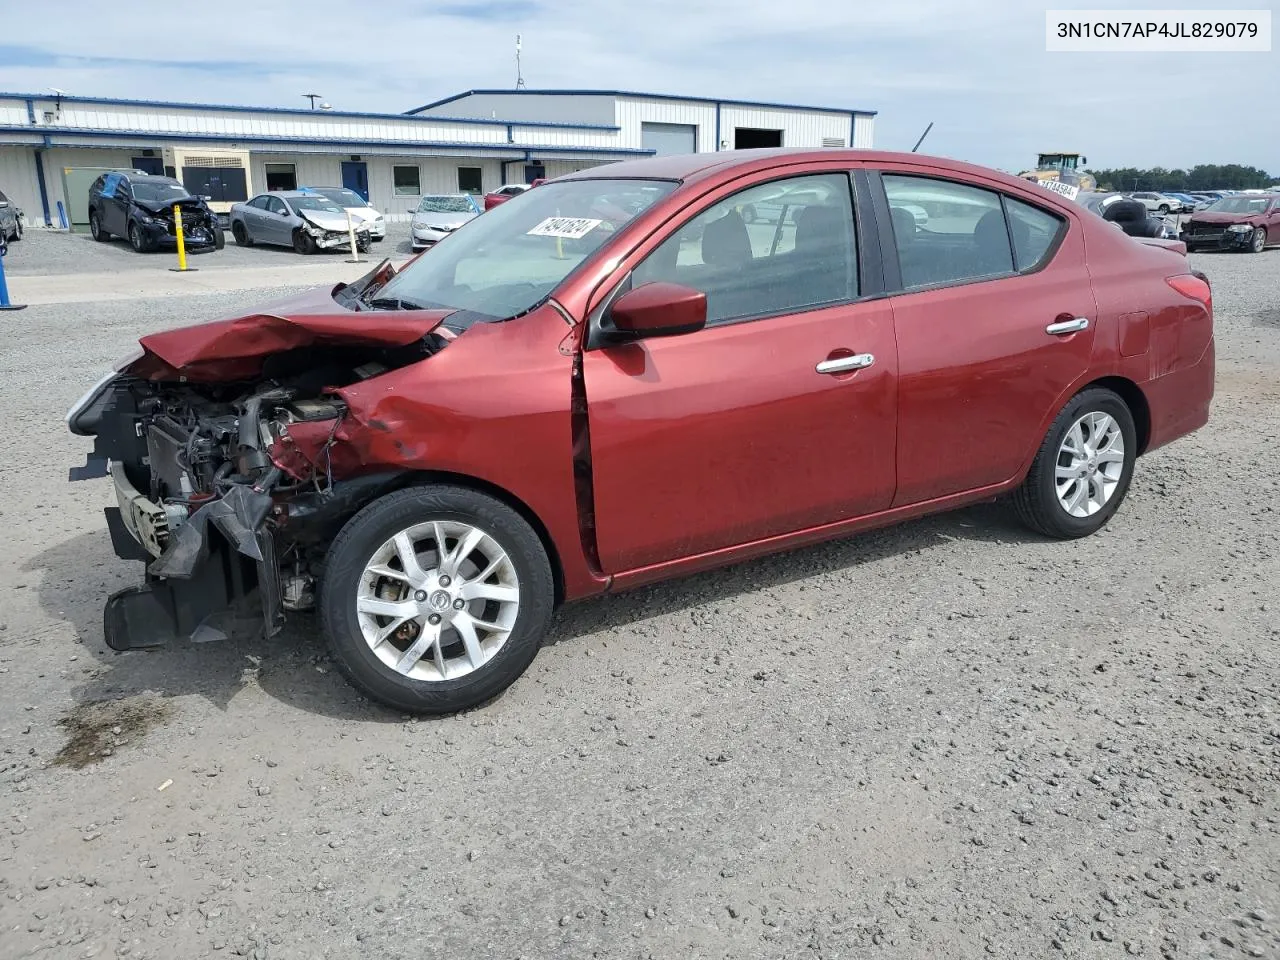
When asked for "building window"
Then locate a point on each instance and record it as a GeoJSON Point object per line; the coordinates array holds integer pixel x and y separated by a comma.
{"type": "Point", "coordinates": [407, 182]}
{"type": "Point", "coordinates": [282, 176]}
{"type": "Point", "coordinates": [470, 180]}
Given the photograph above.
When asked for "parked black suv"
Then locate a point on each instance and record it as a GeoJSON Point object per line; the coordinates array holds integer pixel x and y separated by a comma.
{"type": "Point", "coordinates": [140, 206]}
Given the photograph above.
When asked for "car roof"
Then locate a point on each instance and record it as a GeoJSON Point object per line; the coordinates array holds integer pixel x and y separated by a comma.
{"type": "Point", "coordinates": [697, 166]}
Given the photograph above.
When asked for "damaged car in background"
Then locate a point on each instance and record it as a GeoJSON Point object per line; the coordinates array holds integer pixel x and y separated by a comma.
{"type": "Point", "coordinates": [140, 207]}
{"type": "Point", "coordinates": [308, 222]}
{"type": "Point", "coordinates": [613, 380]}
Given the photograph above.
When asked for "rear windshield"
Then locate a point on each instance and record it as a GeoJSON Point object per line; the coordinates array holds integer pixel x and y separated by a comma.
{"type": "Point", "coordinates": [158, 191]}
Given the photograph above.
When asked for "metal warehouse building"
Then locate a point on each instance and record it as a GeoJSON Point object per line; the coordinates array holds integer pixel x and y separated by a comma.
{"type": "Point", "coordinates": [50, 146]}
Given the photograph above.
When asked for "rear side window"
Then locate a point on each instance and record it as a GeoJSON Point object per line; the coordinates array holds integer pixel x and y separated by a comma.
{"type": "Point", "coordinates": [1034, 233]}
{"type": "Point", "coordinates": [946, 232]}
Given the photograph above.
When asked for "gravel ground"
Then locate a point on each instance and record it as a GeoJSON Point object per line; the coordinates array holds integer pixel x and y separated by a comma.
{"type": "Point", "coordinates": [43, 252]}
{"type": "Point", "coordinates": [949, 739]}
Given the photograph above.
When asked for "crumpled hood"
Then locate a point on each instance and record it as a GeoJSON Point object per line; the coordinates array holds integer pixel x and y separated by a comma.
{"type": "Point", "coordinates": [234, 348]}
{"type": "Point", "coordinates": [329, 221]}
{"type": "Point", "coordinates": [161, 206]}
{"type": "Point", "coordinates": [1224, 219]}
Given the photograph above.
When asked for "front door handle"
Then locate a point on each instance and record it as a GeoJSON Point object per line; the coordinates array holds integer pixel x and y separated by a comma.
{"type": "Point", "coordinates": [1068, 326]}
{"type": "Point", "coordinates": [844, 364]}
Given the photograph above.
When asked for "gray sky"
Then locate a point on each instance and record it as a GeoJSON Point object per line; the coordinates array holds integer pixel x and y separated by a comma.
{"type": "Point", "coordinates": [978, 69]}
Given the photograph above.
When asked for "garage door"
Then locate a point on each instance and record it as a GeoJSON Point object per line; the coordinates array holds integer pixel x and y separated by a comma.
{"type": "Point", "coordinates": [669, 138]}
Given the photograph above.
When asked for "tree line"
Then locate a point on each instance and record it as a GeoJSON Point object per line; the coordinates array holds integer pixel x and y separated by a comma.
{"type": "Point", "coordinates": [1206, 176]}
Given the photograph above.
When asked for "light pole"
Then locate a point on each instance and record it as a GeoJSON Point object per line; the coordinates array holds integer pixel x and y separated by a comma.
{"type": "Point", "coordinates": [313, 97]}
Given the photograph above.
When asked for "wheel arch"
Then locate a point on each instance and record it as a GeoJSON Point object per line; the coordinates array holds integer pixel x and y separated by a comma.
{"type": "Point", "coordinates": [423, 478]}
{"type": "Point", "coordinates": [1134, 399]}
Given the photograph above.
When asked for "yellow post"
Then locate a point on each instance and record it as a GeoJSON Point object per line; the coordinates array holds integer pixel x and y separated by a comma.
{"type": "Point", "coordinates": [351, 233]}
{"type": "Point", "coordinates": [182, 246]}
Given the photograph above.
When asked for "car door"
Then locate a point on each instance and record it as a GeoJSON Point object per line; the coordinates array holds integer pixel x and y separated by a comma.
{"type": "Point", "coordinates": [254, 215]}
{"type": "Point", "coordinates": [1273, 222]}
{"type": "Point", "coordinates": [115, 204]}
{"type": "Point", "coordinates": [992, 329]}
{"type": "Point", "coordinates": [778, 415]}
{"type": "Point", "coordinates": [277, 222]}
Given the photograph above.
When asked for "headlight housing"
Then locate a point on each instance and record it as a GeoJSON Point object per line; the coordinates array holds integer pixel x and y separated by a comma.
{"type": "Point", "coordinates": [1239, 228]}
{"type": "Point", "coordinates": [315, 231]}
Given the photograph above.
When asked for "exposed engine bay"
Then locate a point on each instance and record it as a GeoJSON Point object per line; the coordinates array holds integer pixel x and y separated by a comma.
{"type": "Point", "coordinates": [226, 490]}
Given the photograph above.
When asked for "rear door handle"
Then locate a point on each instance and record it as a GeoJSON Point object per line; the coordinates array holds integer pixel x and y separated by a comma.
{"type": "Point", "coordinates": [1068, 326]}
{"type": "Point", "coordinates": [844, 364]}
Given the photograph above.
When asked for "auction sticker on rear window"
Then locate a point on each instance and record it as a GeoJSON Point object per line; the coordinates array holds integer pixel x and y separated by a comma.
{"type": "Point", "coordinates": [569, 228]}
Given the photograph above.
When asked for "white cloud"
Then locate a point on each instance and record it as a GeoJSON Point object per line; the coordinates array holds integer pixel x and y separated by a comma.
{"type": "Point", "coordinates": [978, 69]}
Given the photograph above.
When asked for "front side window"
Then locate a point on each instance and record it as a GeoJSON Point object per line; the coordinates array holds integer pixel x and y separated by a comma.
{"type": "Point", "coordinates": [779, 247]}
{"type": "Point", "coordinates": [509, 260]}
{"type": "Point", "coordinates": [276, 205]}
{"type": "Point", "coordinates": [946, 232]}
{"type": "Point", "coordinates": [406, 181]}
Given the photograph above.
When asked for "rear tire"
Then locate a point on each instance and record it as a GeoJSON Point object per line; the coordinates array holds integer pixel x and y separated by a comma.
{"type": "Point", "coordinates": [240, 235]}
{"type": "Point", "coordinates": [505, 579]}
{"type": "Point", "coordinates": [95, 228]}
{"type": "Point", "coordinates": [1072, 463]}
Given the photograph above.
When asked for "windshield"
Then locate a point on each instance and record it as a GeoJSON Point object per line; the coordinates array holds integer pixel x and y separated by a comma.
{"type": "Point", "coordinates": [446, 205]}
{"type": "Point", "coordinates": [158, 191]}
{"type": "Point", "coordinates": [512, 257]}
{"type": "Point", "coordinates": [314, 203]}
{"type": "Point", "coordinates": [343, 196]}
{"type": "Point", "coordinates": [1248, 205]}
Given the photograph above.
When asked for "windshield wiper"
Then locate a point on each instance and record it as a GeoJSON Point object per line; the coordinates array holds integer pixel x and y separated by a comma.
{"type": "Point", "coordinates": [394, 303]}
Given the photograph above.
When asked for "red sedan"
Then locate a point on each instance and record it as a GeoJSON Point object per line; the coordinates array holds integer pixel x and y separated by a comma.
{"type": "Point", "coordinates": [615, 379]}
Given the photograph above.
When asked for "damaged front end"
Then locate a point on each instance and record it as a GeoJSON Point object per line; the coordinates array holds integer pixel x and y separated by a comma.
{"type": "Point", "coordinates": [202, 434]}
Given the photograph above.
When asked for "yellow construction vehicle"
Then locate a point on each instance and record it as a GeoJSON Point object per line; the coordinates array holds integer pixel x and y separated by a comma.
{"type": "Point", "coordinates": [1065, 168]}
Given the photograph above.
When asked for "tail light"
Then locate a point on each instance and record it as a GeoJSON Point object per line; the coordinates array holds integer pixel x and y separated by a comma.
{"type": "Point", "coordinates": [1193, 286]}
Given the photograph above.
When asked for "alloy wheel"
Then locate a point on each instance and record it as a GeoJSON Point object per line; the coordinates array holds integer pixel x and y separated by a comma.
{"type": "Point", "coordinates": [1090, 464]}
{"type": "Point", "coordinates": [438, 600]}
{"type": "Point", "coordinates": [1259, 239]}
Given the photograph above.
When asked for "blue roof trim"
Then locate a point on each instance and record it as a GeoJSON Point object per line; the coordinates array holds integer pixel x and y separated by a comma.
{"type": "Point", "coordinates": [648, 96]}
{"type": "Point", "coordinates": [231, 108]}
{"type": "Point", "coordinates": [177, 137]}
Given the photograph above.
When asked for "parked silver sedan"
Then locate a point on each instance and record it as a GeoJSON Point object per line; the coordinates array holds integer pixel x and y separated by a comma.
{"type": "Point", "coordinates": [437, 216]}
{"type": "Point", "coordinates": [290, 218]}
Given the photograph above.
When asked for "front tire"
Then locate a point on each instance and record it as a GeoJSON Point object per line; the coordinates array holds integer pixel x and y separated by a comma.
{"type": "Point", "coordinates": [1083, 468]}
{"type": "Point", "coordinates": [1259, 240]}
{"type": "Point", "coordinates": [435, 599]}
{"type": "Point", "coordinates": [303, 243]}
{"type": "Point", "coordinates": [1163, 209]}
{"type": "Point", "coordinates": [136, 239]}
{"type": "Point", "coordinates": [219, 238]}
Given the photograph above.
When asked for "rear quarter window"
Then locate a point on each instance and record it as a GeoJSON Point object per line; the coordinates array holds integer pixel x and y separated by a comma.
{"type": "Point", "coordinates": [1035, 233]}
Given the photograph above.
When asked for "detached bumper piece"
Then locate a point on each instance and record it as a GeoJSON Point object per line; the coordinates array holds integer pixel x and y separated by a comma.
{"type": "Point", "coordinates": [220, 594]}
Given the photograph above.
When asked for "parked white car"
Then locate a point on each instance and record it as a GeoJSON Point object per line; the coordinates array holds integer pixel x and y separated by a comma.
{"type": "Point", "coordinates": [361, 211]}
{"type": "Point", "coordinates": [439, 215]}
{"type": "Point", "coordinates": [1157, 203]}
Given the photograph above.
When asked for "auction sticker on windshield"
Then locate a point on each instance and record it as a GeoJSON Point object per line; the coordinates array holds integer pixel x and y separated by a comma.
{"type": "Point", "coordinates": [1070, 191]}
{"type": "Point", "coordinates": [568, 228]}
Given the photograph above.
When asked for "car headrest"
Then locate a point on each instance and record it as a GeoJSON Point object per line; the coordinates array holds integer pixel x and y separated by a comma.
{"type": "Point", "coordinates": [904, 224]}
{"type": "Point", "coordinates": [821, 228]}
{"type": "Point", "coordinates": [725, 241]}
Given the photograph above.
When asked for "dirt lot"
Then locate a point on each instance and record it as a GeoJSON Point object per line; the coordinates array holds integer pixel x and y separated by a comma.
{"type": "Point", "coordinates": [950, 739]}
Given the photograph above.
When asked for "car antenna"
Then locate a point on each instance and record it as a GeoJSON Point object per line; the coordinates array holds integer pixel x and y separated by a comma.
{"type": "Point", "coordinates": [922, 136]}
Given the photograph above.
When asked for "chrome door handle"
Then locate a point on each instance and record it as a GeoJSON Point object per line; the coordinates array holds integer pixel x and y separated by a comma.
{"type": "Point", "coordinates": [1068, 326]}
{"type": "Point", "coordinates": [845, 364]}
